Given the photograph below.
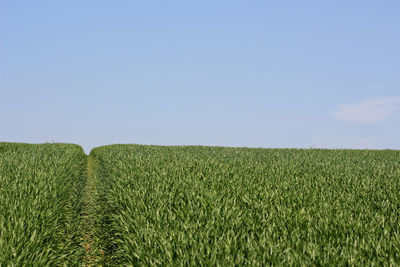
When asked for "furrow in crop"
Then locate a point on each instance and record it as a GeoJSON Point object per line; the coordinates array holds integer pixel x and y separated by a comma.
{"type": "Point", "coordinates": [94, 253]}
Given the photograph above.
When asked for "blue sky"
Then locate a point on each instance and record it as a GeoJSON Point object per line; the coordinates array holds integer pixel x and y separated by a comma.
{"type": "Point", "coordinates": [230, 73]}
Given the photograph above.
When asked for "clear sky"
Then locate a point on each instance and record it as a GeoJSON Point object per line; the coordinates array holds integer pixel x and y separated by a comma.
{"type": "Point", "coordinates": [230, 73]}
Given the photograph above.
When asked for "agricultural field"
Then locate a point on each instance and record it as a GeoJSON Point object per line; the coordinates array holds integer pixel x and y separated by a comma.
{"type": "Point", "coordinates": [41, 189]}
{"type": "Point", "coordinates": [211, 206]}
{"type": "Point", "coordinates": [240, 206]}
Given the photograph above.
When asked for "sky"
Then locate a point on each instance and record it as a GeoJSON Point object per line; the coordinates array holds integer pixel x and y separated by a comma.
{"type": "Point", "coordinates": [304, 74]}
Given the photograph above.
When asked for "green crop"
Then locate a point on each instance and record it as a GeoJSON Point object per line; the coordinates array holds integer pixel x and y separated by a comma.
{"type": "Point", "coordinates": [134, 205]}
{"type": "Point", "coordinates": [41, 189]}
{"type": "Point", "coordinates": [238, 206]}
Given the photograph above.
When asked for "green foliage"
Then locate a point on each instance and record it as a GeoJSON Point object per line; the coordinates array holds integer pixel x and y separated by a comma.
{"type": "Point", "coordinates": [239, 206]}
{"type": "Point", "coordinates": [152, 205]}
{"type": "Point", "coordinates": [41, 189]}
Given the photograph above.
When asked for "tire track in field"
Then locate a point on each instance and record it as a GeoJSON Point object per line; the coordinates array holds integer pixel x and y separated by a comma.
{"type": "Point", "coordinates": [94, 254]}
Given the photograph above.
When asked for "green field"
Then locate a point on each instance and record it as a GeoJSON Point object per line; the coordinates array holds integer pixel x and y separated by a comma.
{"type": "Point", "coordinates": [155, 205]}
{"type": "Point", "coordinates": [41, 188]}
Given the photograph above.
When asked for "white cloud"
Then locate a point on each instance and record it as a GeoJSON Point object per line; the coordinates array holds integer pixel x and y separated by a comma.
{"type": "Point", "coordinates": [368, 111]}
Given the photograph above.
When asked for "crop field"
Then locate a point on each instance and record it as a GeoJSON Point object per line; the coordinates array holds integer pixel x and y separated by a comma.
{"type": "Point", "coordinates": [141, 205]}
{"type": "Point", "coordinates": [237, 206]}
{"type": "Point", "coordinates": [41, 189]}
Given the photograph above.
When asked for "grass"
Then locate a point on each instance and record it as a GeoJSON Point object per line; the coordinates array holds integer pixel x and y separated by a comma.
{"type": "Point", "coordinates": [41, 189]}
{"type": "Point", "coordinates": [238, 206]}
{"type": "Point", "coordinates": [136, 205]}
{"type": "Point", "coordinates": [91, 210]}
